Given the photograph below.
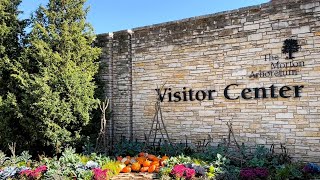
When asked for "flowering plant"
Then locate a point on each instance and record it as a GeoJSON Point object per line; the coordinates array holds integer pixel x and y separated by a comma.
{"type": "Point", "coordinates": [34, 174]}
{"type": "Point", "coordinates": [254, 173]}
{"type": "Point", "coordinates": [99, 174]}
{"type": "Point", "coordinates": [181, 171]}
{"type": "Point", "coordinates": [311, 168]}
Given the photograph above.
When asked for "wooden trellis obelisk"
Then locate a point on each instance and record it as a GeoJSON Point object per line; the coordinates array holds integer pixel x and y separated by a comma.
{"type": "Point", "coordinates": [102, 142]}
{"type": "Point", "coordinates": [157, 127]}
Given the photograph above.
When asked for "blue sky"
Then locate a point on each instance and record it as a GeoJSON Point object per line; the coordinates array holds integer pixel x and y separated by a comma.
{"type": "Point", "coordinates": [114, 15]}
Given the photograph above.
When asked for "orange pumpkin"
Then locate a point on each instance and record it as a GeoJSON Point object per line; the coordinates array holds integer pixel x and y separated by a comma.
{"type": "Point", "coordinates": [127, 161]}
{"type": "Point", "coordinates": [156, 163]}
{"type": "Point", "coordinates": [141, 154]}
{"type": "Point", "coordinates": [164, 158]}
{"type": "Point", "coordinates": [146, 163]}
{"type": "Point", "coordinates": [152, 157]}
{"type": "Point", "coordinates": [141, 159]}
{"type": "Point", "coordinates": [144, 169]}
{"type": "Point", "coordinates": [126, 169]}
{"type": "Point", "coordinates": [151, 169]}
{"type": "Point", "coordinates": [136, 167]}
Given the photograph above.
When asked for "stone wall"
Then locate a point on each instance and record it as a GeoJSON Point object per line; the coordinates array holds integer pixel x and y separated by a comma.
{"type": "Point", "coordinates": [242, 47]}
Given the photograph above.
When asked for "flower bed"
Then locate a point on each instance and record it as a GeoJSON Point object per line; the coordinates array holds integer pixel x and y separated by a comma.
{"type": "Point", "coordinates": [212, 164]}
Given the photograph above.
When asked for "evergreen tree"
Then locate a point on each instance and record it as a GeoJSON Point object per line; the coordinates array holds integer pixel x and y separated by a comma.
{"type": "Point", "coordinates": [11, 34]}
{"type": "Point", "coordinates": [55, 75]}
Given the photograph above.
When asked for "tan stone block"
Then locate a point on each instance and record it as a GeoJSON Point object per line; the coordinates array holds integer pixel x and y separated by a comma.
{"type": "Point", "coordinates": [308, 134]}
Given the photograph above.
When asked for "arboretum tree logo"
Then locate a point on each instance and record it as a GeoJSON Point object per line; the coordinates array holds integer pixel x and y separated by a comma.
{"type": "Point", "coordinates": [278, 68]}
{"type": "Point", "coordinates": [290, 46]}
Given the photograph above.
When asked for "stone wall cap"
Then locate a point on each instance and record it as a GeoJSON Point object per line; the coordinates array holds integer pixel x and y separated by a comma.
{"type": "Point", "coordinates": [260, 6]}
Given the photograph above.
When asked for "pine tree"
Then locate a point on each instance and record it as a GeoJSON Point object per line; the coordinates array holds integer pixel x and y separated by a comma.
{"type": "Point", "coordinates": [11, 36]}
{"type": "Point", "coordinates": [55, 75]}
{"type": "Point", "coordinates": [11, 32]}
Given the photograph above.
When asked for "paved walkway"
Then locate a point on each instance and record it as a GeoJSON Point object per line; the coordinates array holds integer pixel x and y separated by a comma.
{"type": "Point", "coordinates": [138, 176]}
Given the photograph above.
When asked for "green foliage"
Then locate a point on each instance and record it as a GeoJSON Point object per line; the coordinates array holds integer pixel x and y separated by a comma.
{"type": "Point", "coordinates": [3, 159]}
{"type": "Point", "coordinates": [69, 157]}
{"type": "Point", "coordinates": [165, 172]}
{"type": "Point", "coordinates": [100, 159]}
{"type": "Point", "coordinates": [88, 146]}
{"type": "Point", "coordinates": [113, 168]}
{"type": "Point", "coordinates": [221, 161]}
{"type": "Point", "coordinates": [53, 83]}
{"type": "Point", "coordinates": [211, 172]}
{"type": "Point", "coordinates": [128, 148]}
{"type": "Point", "coordinates": [260, 157]}
{"type": "Point", "coordinates": [181, 159]}
{"type": "Point", "coordinates": [21, 160]}
{"type": "Point", "coordinates": [71, 165]}
{"type": "Point", "coordinates": [289, 171]}
{"type": "Point", "coordinates": [229, 172]}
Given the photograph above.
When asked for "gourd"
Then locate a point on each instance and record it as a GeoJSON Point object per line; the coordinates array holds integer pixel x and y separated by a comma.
{"type": "Point", "coordinates": [151, 168]}
{"type": "Point", "coordinates": [156, 163]}
{"type": "Point", "coordinates": [146, 163]}
{"type": "Point", "coordinates": [126, 169]}
{"type": "Point", "coordinates": [136, 167]}
{"type": "Point", "coordinates": [164, 158]}
{"type": "Point", "coordinates": [141, 159]}
{"type": "Point", "coordinates": [144, 169]}
{"type": "Point", "coordinates": [152, 157]}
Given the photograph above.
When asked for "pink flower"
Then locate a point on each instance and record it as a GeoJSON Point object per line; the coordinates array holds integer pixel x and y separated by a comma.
{"type": "Point", "coordinates": [100, 174]}
{"type": "Point", "coordinates": [190, 173]}
{"type": "Point", "coordinates": [178, 170]}
{"type": "Point", "coordinates": [26, 172]}
{"type": "Point", "coordinates": [41, 168]}
{"type": "Point", "coordinates": [34, 174]}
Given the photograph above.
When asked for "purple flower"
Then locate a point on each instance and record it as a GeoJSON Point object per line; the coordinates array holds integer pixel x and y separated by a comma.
{"type": "Point", "coordinates": [311, 168]}
{"type": "Point", "coordinates": [247, 173]}
{"type": "Point", "coordinates": [253, 173]}
{"type": "Point", "coordinates": [261, 172]}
